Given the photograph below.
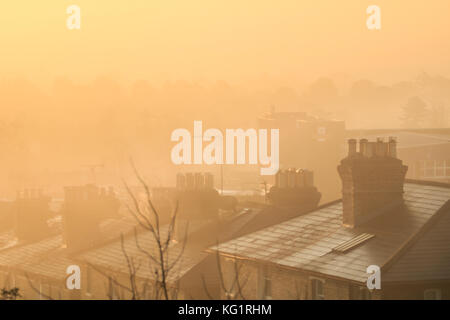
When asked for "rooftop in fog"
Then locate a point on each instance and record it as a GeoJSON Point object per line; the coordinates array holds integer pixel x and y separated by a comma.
{"type": "Point", "coordinates": [48, 257]}
{"type": "Point", "coordinates": [307, 242]}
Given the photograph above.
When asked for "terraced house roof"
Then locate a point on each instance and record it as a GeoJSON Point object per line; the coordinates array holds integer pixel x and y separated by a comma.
{"type": "Point", "coordinates": [111, 256]}
{"type": "Point", "coordinates": [307, 242]}
{"type": "Point", "coordinates": [48, 257]}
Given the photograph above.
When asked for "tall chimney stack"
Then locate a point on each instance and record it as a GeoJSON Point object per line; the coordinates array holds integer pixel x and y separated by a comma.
{"type": "Point", "coordinates": [351, 147]}
{"type": "Point", "coordinates": [291, 177]}
{"type": "Point", "coordinates": [362, 146]}
{"type": "Point", "coordinates": [32, 212]}
{"type": "Point", "coordinates": [84, 209]}
{"type": "Point", "coordinates": [372, 181]}
{"type": "Point", "coordinates": [294, 188]}
{"type": "Point", "coordinates": [181, 181]}
{"type": "Point", "coordinates": [392, 147]}
{"type": "Point", "coordinates": [209, 180]}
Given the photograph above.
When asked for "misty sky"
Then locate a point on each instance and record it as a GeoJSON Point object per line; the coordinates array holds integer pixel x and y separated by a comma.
{"type": "Point", "coordinates": [237, 41]}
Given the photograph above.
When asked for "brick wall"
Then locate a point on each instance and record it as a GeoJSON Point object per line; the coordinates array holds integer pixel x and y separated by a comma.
{"type": "Point", "coordinates": [285, 284]}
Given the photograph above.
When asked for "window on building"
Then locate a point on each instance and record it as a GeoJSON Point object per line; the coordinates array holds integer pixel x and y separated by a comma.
{"type": "Point", "coordinates": [432, 294]}
{"type": "Point", "coordinates": [111, 291]}
{"type": "Point", "coordinates": [317, 289]}
{"type": "Point", "coordinates": [267, 287]}
{"type": "Point", "coordinates": [434, 169]}
{"type": "Point", "coordinates": [264, 283]}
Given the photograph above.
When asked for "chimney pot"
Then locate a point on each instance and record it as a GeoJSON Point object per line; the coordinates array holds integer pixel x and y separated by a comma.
{"type": "Point", "coordinates": [199, 180]}
{"type": "Point", "coordinates": [309, 178]}
{"type": "Point", "coordinates": [300, 178]}
{"type": "Point", "coordinates": [181, 181]}
{"type": "Point", "coordinates": [291, 177]}
{"type": "Point", "coordinates": [190, 182]}
{"type": "Point", "coordinates": [371, 149]}
{"type": "Point", "coordinates": [379, 149]}
{"type": "Point", "coordinates": [351, 147]}
{"type": "Point", "coordinates": [209, 180]}
{"type": "Point", "coordinates": [363, 147]}
{"type": "Point", "coordinates": [392, 147]}
{"type": "Point", "coordinates": [277, 179]}
{"type": "Point", "coordinates": [283, 179]}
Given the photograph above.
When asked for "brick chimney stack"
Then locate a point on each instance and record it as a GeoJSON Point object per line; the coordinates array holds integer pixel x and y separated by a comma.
{"type": "Point", "coordinates": [32, 212]}
{"type": "Point", "coordinates": [196, 195]}
{"type": "Point", "coordinates": [84, 209]}
{"type": "Point", "coordinates": [294, 188]}
{"type": "Point", "coordinates": [372, 180]}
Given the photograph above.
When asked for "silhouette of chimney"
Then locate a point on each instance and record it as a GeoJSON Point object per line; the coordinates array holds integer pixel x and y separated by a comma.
{"type": "Point", "coordinates": [199, 180]}
{"type": "Point", "coordinates": [32, 212]}
{"type": "Point", "coordinates": [294, 188]}
{"type": "Point", "coordinates": [209, 180]}
{"type": "Point", "coordinates": [198, 198]}
{"type": "Point", "coordinates": [181, 181]}
{"type": "Point", "coordinates": [190, 180]}
{"type": "Point", "coordinates": [84, 209]}
{"type": "Point", "coordinates": [372, 180]}
{"type": "Point", "coordinates": [291, 177]}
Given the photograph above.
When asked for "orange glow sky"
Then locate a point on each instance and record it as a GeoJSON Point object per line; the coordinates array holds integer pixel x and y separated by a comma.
{"type": "Point", "coordinates": [232, 40]}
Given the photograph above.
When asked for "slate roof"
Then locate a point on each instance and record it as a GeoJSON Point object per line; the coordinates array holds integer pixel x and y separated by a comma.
{"type": "Point", "coordinates": [427, 259]}
{"type": "Point", "coordinates": [19, 255]}
{"type": "Point", "coordinates": [48, 257]}
{"type": "Point", "coordinates": [306, 242]}
{"type": "Point", "coordinates": [8, 239]}
{"type": "Point", "coordinates": [111, 256]}
{"type": "Point", "coordinates": [257, 219]}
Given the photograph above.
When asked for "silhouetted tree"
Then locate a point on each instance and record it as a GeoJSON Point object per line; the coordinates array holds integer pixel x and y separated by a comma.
{"type": "Point", "coordinates": [158, 260]}
{"type": "Point", "coordinates": [322, 91]}
{"type": "Point", "coordinates": [415, 112]}
{"type": "Point", "coordinates": [439, 113]}
{"type": "Point", "coordinates": [11, 294]}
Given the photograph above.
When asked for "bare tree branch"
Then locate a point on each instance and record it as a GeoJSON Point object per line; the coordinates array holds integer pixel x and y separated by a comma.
{"type": "Point", "coordinates": [38, 291]}
{"type": "Point", "coordinates": [160, 263]}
